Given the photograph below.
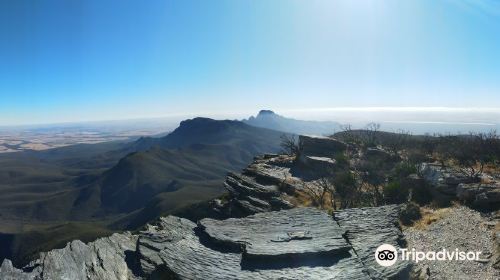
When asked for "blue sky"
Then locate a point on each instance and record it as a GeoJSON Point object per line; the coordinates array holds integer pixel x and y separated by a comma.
{"type": "Point", "coordinates": [81, 60]}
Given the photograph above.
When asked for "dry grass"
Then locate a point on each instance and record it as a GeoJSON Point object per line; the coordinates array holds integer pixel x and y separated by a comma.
{"type": "Point", "coordinates": [300, 199]}
{"type": "Point", "coordinates": [491, 168]}
{"type": "Point", "coordinates": [429, 216]}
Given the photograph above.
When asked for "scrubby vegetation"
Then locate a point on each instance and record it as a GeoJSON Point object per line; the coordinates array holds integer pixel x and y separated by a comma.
{"type": "Point", "coordinates": [381, 168]}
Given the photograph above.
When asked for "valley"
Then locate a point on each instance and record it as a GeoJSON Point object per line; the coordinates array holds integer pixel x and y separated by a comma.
{"type": "Point", "coordinates": [104, 187]}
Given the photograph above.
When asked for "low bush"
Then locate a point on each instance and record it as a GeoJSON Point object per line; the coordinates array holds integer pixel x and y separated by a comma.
{"type": "Point", "coordinates": [395, 192]}
{"type": "Point", "coordinates": [410, 212]}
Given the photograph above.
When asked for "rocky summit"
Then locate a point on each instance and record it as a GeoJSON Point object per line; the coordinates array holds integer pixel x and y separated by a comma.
{"type": "Point", "coordinates": [300, 243]}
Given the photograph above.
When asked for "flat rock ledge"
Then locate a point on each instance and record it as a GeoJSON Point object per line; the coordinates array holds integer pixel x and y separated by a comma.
{"type": "Point", "coordinates": [274, 234]}
{"type": "Point", "coordinates": [299, 243]}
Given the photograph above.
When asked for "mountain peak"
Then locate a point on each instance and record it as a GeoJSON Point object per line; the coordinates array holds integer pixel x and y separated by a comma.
{"type": "Point", "coordinates": [206, 124]}
{"type": "Point", "coordinates": [266, 112]}
{"type": "Point", "coordinates": [269, 119]}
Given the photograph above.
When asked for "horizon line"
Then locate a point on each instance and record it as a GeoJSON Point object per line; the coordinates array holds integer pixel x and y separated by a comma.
{"type": "Point", "coordinates": [215, 114]}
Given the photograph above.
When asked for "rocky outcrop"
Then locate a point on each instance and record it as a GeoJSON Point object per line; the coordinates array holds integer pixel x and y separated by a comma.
{"type": "Point", "coordinates": [183, 253]}
{"type": "Point", "coordinates": [368, 228]}
{"type": "Point", "coordinates": [320, 146]}
{"type": "Point", "coordinates": [480, 195]}
{"type": "Point", "coordinates": [444, 179]}
{"type": "Point", "coordinates": [456, 185]}
{"type": "Point", "coordinates": [247, 197]}
{"type": "Point", "coordinates": [300, 243]}
{"type": "Point", "coordinates": [107, 258]}
{"type": "Point", "coordinates": [265, 185]}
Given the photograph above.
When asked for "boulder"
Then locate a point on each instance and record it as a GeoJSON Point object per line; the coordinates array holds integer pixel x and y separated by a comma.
{"type": "Point", "coordinates": [443, 179]}
{"type": "Point", "coordinates": [320, 146]}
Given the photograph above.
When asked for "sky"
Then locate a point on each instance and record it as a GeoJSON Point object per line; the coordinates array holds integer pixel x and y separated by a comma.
{"type": "Point", "coordinates": [88, 60]}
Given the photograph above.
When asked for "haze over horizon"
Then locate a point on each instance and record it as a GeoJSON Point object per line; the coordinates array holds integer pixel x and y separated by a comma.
{"type": "Point", "coordinates": [420, 62]}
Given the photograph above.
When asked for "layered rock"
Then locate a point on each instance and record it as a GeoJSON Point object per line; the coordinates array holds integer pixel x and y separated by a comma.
{"type": "Point", "coordinates": [185, 254]}
{"type": "Point", "coordinates": [263, 186]}
{"type": "Point", "coordinates": [300, 243]}
{"type": "Point", "coordinates": [291, 233]}
{"type": "Point", "coordinates": [107, 258]}
{"type": "Point", "coordinates": [368, 228]}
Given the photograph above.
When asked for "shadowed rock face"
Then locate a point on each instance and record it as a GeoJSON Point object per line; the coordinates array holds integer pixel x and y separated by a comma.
{"type": "Point", "coordinates": [320, 146]}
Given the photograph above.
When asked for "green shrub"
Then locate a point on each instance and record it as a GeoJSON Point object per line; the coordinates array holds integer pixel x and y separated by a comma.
{"type": "Point", "coordinates": [403, 170]}
{"type": "Point", "coordinates": [409, 213]}
{"type": "Point", "coordinates": [341, 159]}
{"type": "Point", "coordinates": [395, 192]}
{"type": "Point", "coordinates": [421, 194]}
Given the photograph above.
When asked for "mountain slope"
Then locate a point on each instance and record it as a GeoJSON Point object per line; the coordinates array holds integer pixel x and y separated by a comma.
{"type": "Point", "coordinates": [268, 119]}
{"type": "Point", "coordinates": [119, 184]}
{"type": "Point", "coordinates": [197, 154]}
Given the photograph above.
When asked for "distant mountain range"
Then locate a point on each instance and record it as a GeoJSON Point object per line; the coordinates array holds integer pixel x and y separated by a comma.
{"type": "Point", "coordinates": [197, 154]}
{"type": "Point", "coordinates": [123, 184]}
{"type": "Point", "coordinates": [269, 119]}
{"type": "Point", "coordinates": [83, 191]}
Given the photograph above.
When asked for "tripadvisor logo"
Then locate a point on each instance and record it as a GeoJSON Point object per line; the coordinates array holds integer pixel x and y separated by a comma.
{"type": "Point", "coordinates": [387, 255]}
